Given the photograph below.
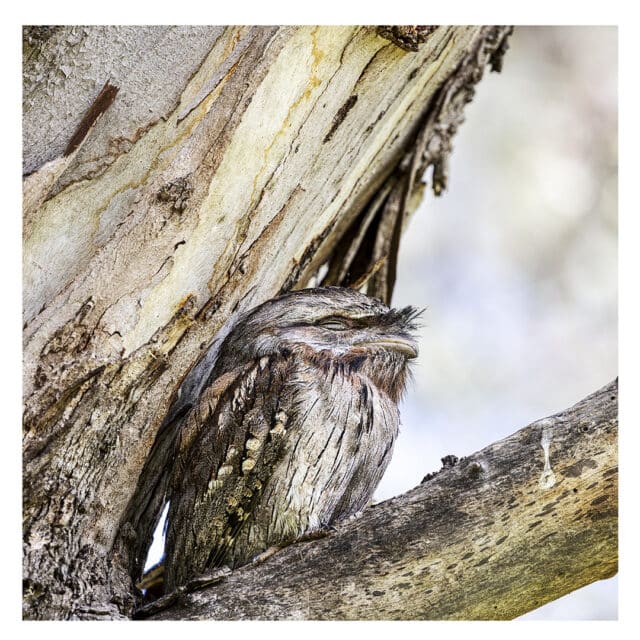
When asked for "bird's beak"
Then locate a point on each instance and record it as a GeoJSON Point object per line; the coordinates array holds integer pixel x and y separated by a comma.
{"type": "Point", "coordinates": [401, 345]}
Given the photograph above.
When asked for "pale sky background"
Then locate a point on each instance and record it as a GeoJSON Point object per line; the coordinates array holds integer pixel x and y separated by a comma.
{"type": "Point", "coordinates": [517, 264]}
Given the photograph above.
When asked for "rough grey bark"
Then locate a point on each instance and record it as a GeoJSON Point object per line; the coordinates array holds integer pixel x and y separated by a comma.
{"type": "Point", "coordinates": [520, 523]}
{"type": "Point", "coordinates": [231, 164]}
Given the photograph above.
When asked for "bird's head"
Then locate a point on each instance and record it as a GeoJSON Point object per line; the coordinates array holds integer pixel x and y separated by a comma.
{"type": "Point", "coordinates": [330, 326]}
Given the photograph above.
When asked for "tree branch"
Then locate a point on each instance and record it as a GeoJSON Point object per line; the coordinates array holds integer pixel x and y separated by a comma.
{"type": "Point", "coordinates": [518, 524]}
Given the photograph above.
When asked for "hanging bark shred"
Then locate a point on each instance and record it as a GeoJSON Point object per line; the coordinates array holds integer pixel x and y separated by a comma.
{"type": "Point", "coordinates": [375, 234]}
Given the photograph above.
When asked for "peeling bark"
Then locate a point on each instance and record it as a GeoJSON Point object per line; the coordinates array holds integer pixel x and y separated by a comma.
{"type": "Point", "coordinates": [259, 152]}
{"type": "Point", "coordinates": [408, 37]}
{"type": "Point", "coordinates": [522, 522]}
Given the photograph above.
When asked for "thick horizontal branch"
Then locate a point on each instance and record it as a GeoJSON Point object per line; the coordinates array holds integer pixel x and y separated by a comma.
{"type": "Point", "coordinates": [518, 524]}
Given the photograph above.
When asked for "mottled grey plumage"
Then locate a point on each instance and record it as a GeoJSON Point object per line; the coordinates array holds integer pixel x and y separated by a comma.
{"type": "Point", "coordinates": [293, 430]}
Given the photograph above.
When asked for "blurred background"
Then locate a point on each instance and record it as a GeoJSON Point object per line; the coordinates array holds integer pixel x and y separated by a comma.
{"type": "Point", "coordinates": [517, 264]}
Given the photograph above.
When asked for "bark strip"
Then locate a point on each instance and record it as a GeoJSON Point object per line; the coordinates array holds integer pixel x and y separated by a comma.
{"type": "Point", "coordinates": [102, 102]}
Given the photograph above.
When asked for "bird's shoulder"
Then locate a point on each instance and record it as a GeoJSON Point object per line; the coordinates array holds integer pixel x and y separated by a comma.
{"type": "Point", "coordinates": [231, 441]}
{"type": "Point", "coordinates": [234, 420]}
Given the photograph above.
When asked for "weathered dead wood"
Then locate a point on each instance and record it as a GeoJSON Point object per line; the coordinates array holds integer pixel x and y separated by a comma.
{"type": "Point", "coordinates": [223, 173]}
{"type": "Point", "coordinates": [522, 522]}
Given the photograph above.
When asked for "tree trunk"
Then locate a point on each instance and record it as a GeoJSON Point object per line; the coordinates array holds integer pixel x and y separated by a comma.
{"type": "Point", "coordinates": [217, 167]}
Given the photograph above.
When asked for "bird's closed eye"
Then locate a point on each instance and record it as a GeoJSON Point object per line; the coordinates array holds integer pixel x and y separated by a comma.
{"type": "Point", "coordinates": [333, 324]}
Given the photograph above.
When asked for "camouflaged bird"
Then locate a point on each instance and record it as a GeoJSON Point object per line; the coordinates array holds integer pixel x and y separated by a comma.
{"type": "Point", "coordinates": [292, 430]}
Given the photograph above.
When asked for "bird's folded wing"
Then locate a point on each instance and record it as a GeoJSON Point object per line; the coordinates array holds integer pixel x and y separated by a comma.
{"type": "Point", "coordinates": [229, 445]}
